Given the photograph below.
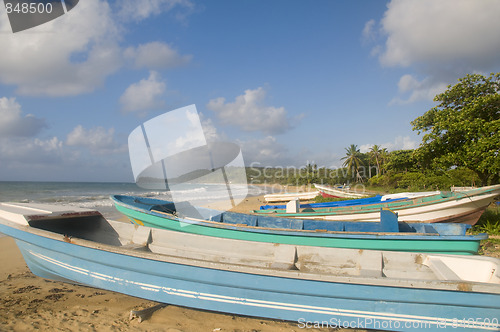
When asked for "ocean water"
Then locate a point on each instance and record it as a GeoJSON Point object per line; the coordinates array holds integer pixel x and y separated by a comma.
{"type": "Point", "coordinates": [97, 195]}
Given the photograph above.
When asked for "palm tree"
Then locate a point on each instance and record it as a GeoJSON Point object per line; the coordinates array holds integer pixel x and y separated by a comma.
{"type": "Point", "coordinates": [352, 160]}
{"type": "Point", "coordinates": [374, 153]}
{"type": "Point", "coordinates": [383, 159]}
{"type": "Point", "coordinates": [310, 172]}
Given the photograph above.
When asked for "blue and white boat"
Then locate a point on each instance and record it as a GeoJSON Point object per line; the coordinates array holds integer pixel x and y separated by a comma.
{"type": "Point", "coordinates": [349, 202]}
{"type": "Point", "coordinates": [395, 291]}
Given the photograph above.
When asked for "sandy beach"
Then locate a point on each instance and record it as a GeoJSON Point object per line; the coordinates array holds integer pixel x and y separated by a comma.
{"type": "Point", "coordinates": [31, 303]}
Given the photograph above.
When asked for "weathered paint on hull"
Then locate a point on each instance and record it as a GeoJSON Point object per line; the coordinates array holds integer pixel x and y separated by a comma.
{"type": "Point", "coordinates": [385, 241]}
{"type": "Point", "coordinates": [284, 197]}
{"type": "Point", "coordinates": [325, 195]}
{"type": "Point", "coordinates": [260, 295]}
{"type": "Point", "coordinates": [467, 210]}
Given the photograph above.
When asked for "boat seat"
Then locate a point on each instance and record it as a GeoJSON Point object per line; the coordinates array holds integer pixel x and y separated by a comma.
{"type": "Point", "coordinates": [191, 246]}
{"type": "Point", "coordinates": [418, 228]}
{"type": "Point", "coordinates": [135, 246]}
{"type": "Point", "coordinates": [346, 262]}
{"type": "Point", "coordinates": [442, 271]}
{"type": "Point", "coordinates": [434, 228]}
{"type": "Point", "coordinates": [142, 236]}
{"type": "Point", "coordinates": [399, 265]}
{"type": "Point", "coordinates": [138, 239]}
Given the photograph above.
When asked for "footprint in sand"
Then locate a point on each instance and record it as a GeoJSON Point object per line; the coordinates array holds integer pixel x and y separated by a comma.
{"type": "Point", "coordinates": [25, 289]}
{"type": "Point", "coordinates": [61, 290]}
{"type": "Point", "coordinates": [54, 297]}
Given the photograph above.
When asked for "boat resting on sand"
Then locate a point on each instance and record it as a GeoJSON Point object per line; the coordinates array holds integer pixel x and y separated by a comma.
{"type": "Point", "coordinates": [340, 192]}
{"type": "Point", "coordinates": [458, 207]}
{"type": "Point", "coordinates": [344, 287]}
{"type": "Point", "coordinates": [387, 234]}
{"type": "Point", "coordinates": [358, 201]}
{"type": "Point", "coordinates": [283, 197]}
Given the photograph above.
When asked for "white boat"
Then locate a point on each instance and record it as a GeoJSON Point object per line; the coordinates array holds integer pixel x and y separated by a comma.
{"type": "Point", "coordinates": [340, 192]}
{"type": "Point", "coordinates": [461, 207]}
{"type": "Point", "coordinates": [409, 195]}
{"type": "Point", "coordinates": [284, 197]}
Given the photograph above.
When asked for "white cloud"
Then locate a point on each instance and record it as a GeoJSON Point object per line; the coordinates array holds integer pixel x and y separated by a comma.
{"type": "Point", "coordinates": [266, 151]}
{"type": "Point", "coordinates": [13, 123]}
{"type": "Point", "coordinates": [209, 129]}
{"type": "Point", "coordinates": [441, 31]}
{"type": "Point", "coordinates": [144, 95]}
{"type": "Point", "coordinates": [24, 150]}
{"type": "Point", "coordinates": [250, 114]}
{"type": "Point", "coordinates": [141, 9]}
{"type": "Point", "coordinates": [440, 40]}
{"type": "Point", "coordinates": [399, 143]}
{"type": "Point", "coordinates": [50, 159]}
{"type": "Point", "coordinates": [98, 140]}
{"type": "Point", "coordinates": [76, 52]}
{"type": "Point", "coordinates": [67, 56]}
{"type": "Point", "coordinates": [425, 89]}
{"type": "Point", "coordinates": [368, 32]}
{"type": "Point", "coordinates": [155, 55]}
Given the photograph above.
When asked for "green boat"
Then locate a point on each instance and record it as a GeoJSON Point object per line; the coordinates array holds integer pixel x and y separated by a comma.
{"type": "Point", "coordinates": [385, 234]}
{"type": "Point", "coordinates": [457, 207]}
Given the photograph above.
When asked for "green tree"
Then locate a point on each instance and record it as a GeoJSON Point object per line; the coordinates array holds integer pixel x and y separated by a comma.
{"type": "Point", "coordinates": [352, 160]}
{"type": "Point", "coordinates": [375, 155]}
{"type": "Point", "coordinates": [402, 161]}
{"type": "Point", "coordinates": [464, 128]}
{"type": "Point", "coordinates": [311, 173]}
{"type": "Point", "coordinates": [384, 156]}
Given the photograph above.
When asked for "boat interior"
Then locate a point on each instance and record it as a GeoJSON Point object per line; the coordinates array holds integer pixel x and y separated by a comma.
{"type": "Point", "coordinates": [388, 221]}
{"type": "Point", "coordinates": [165, 244]}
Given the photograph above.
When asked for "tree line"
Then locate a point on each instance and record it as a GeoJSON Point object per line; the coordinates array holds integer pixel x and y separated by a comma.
{"type": "Point", "coordinates": [460, 147]}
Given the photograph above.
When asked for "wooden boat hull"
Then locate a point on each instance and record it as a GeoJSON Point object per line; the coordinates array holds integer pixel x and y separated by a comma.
{"type": "Point", "coordinates": [327, 191]}
{"type": "Point", "coordinates": [283, 197]}
{"type": "Point", "coordinates": [357, 201]}
{"type": "Point", "coordinates": [459, 207]}
{"type": "Point", "coordinates": [307, 298]}
{"type": "Point", "coordinates": [306, 232]}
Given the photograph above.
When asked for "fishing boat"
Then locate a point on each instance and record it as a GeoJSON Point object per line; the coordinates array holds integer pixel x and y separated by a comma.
{"type": "Point", "coordinates": [358, 201]}
{"type": "Point", "coordinates": [386, 234]}
{"type": "Point", "coordinates": [283, 197]}
{"type": "Point", "coordinates": [457, 207]}
{"type": "Point", "coordinates": [306, 285]}
{"type": "Point", "coordinates": [339, 192]}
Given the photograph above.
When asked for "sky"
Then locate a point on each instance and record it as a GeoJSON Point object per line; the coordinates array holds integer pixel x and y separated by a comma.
{"type": "Point", "coordinates": [291, 82]}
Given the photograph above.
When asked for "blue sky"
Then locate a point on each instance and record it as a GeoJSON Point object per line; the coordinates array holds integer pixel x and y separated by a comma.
{"type": "Point", "coordinates": [290, 81]}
